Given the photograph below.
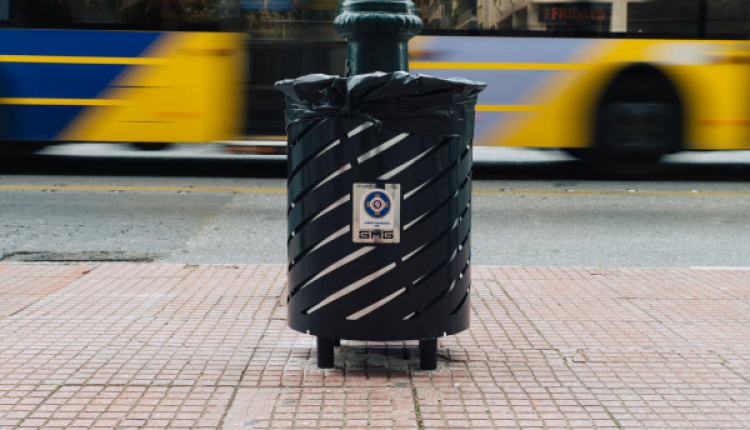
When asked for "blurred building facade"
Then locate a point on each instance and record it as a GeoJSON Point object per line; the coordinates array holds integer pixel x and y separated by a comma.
{"type": "Point", "coordinates": [537, 15]}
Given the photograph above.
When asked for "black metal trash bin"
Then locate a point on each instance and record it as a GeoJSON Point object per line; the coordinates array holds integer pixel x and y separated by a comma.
{"type": "Point", "coordinates": [379, 208]}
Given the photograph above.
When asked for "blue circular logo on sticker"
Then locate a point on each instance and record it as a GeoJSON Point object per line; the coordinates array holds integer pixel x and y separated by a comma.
{"type": "Point", "coordinates": [377, 204]}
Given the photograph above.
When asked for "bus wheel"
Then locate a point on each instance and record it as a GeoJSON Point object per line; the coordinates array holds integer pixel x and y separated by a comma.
{"type": "Point", "coordinates": [151, 146]}
{"type": "Point", "coordinates": [633, 137]}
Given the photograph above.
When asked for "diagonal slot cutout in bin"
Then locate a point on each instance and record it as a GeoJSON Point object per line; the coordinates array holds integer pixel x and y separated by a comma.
{"type": "Point", "coordinates": [379, 208]}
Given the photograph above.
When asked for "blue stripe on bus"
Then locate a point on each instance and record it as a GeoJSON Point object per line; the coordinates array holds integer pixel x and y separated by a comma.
{"type": "Point", "coordinates": [513, 86]}
{"type": "Point", "coordinates": [37, 122]}
{"type": "Point", "coordinates": [56, 81]}
{"type": "Point", "coordinates": [60, 80]}
{"type": "Point", "coordinates": [83, 43]}
{"type": "Point", "coordinates": [484, 121]}
{"type": "Point", "coordinates": [510, 87]}
{"type": "Point", "coordinates": [501, 50]}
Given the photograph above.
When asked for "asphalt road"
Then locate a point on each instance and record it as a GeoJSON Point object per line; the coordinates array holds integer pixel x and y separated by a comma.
{"type": "Point", "coordinates": [196, 204]}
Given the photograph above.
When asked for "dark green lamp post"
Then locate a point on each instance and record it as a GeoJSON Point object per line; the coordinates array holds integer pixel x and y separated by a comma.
{"type": "Point", "coordinates": [378, 32]}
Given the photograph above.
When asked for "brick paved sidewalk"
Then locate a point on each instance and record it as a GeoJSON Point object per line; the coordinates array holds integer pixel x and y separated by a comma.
{"type": "Point", "coordinates": [127, 346]}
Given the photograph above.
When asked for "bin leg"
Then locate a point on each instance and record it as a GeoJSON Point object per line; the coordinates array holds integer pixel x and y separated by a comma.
{"type": "Point", "coordinates": [325, 352]}
{"type": "Point", "coordinates": [428, 354]}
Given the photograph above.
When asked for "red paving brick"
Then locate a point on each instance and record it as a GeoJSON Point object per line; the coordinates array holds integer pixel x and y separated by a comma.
{"type": "Point", "coordinates": [155, 346]}
{"type": "Point", "coordinates": [21, 288]}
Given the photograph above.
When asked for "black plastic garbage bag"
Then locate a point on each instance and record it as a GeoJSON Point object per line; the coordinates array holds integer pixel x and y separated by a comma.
{"type": "Point", "coordinates": [418, 104]}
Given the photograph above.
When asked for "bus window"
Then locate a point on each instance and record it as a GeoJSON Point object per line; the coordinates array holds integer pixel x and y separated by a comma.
{"type": "Point", "coordinates": [157, 15]}
{"type": "Point", "coordinates": [690, 18]}
{"type": "Point", "coordinates": [286, 39]}
{"type": "Point", "coordinates": [664, 18]}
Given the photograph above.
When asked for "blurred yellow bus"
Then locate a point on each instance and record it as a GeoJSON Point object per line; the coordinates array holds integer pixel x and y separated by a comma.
{"type": "Point", "coordinates": [143, 71]}
{"type": "Point", "coordinates": [622, 82]}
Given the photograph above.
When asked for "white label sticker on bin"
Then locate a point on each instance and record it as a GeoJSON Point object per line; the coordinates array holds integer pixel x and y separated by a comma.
{"type": "Point", "coordinates": [377, 213]}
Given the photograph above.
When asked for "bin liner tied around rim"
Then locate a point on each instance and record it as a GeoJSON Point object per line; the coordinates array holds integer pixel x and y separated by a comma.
{"type": "Point", "coordinates": [379, 196]}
